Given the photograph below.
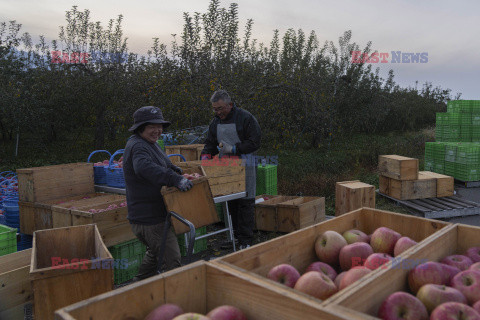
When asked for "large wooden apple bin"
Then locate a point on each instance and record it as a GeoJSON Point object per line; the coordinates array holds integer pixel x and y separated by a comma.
{"type": "Point", "coordinates": [363, 302]}
{"type": "Point", "coordinates": [68, 265]}
{"type": "Point", "coordinates": [297, 248]}
{"type": "Point", "coordinates": [198, 287]}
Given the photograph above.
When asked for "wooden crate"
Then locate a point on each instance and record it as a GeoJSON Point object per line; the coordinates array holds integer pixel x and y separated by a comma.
{"type": "Point", "coordinates": [266, 218]}
{"type": "Point", "coordinates": [61, 213]}
{"type": "Point", "coordinates": [15, 288]}
{"type": "Point", "coordinates": [191, 152]}
{"type": "Point", "coordinates": [299, 213]}
{"type": "Point", "coordinates": [113, 224]}
{"type": "Point", "coordinates": [398, 167]}
{"type": "Point", "coordinates": [445, 184]}
{"type": "Point", "coordinates": [297, 248]}
{"type": "Point", "coordinates": [225, 176]}
{"type": "Point", "coordinates": [424, 187]}
{"type": "Point", "coordinates": [38, 215]}
{"type": "Point", "coordinates": [58, 285]}
{"type": "Point", "coordinates": [198, 287]}
{"type": "Point", "coordinates": [368, 297]}
{"type": "Point", "coordinates": [195, 205]}
{"type": "Point", "coordinates": [352, 195]}
{"type": "Point", "coordinates": [52, 182]}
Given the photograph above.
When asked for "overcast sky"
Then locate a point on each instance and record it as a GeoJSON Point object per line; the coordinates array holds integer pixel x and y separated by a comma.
{"type": "Point", "coordinates": [449, 31]}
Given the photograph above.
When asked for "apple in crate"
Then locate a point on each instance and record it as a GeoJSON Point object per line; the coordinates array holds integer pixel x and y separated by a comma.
{"type": "Point", "coordinates": [433, 295]}
{"type": "Point", "coordinates": [457, 260]}
{"type": "Point", "coordinates": [402, 305]}
{"type": "Point", "coordinates": [226, 313]}
{"type": "Point", "coordinates": [428, 272]}
{"type": "Point", "coordinates": [454, 311]}
{"type": "Point", "coordinates": [323, 268]}
{"type": "Point", "coordinates": [165, 312]}
{"type": "Point", "coordinates": [476, 306]}
{"type": "Point", "coordinates": [191, 316]}
{"type": "Point", "coordinates": [285, 274]}
{"type": "Point", "coordinates": [468, 283]}
{"type": "Point", "coordinates": [376, 260]}
{"type": "Point", "coordinates": [475, 266]}
{"type": "Point", "coordinates": [339, 278]}
{"type": "Point", "coordinates": [474, 254]}
{"type": "Point", "coordinates": [353, 275]}
{"type": "Point", "coordinates": [355, 235]}
{"type": "Point", "coordinates": [354, 254]}
{"type": "Point", "coordinates": [316, 284]}
{"type": "Point", "coordinates": [403, 244]}
{"type": "Point", "coordinates": [384, 239]}
{"type": "Point", "coordinates": [328, 246]}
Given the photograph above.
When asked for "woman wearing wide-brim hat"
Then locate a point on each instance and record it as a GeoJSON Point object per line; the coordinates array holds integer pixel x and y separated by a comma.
{"type": "Point", "coordinates": [147, 169]}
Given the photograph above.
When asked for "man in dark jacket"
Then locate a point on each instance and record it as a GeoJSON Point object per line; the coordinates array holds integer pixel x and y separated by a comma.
{"type": "Point", "coordinates": [236, 132]}
{"type": "Point", "coordinates": [147, 169]}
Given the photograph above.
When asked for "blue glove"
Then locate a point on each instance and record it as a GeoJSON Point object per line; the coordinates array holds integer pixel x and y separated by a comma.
{"type": "Point", "coordinates": [184, 184]}
{"type": "Point", "coordinates": [226, 148]}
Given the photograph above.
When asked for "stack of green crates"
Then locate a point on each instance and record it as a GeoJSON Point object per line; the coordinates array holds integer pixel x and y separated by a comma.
{"type": "Point", "coordinates": [429, 156]}
{"type": "Point", "coordinates": [8, 240]}
{"type": "Point", "coordinates": [199, 246]}
{"type": "Point", "coordinates": [475, 127]}
{"type": "Point", "coordinates": [468, 162]}
{"type": "Point", "coordinates": [161, 143]}
{"type": "Point", "coordinates": [127, 259]}
{"type": "Point", "coordinates": [267, 179]}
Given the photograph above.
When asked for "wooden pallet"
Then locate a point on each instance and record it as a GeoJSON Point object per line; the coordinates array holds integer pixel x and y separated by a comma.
{"type": "Point", "coordinates": [438, 208]}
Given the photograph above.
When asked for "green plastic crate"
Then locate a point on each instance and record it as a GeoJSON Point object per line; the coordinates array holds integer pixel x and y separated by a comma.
{"type": "Point", "coordinates": [199, 246]}
{"type": "Point", "coordinates": [450, 152]}
{"type": "Point", "coordinates": [468, 154]}
{"type": "Point", "coordinates": [429, 164]}
{"type": "Point", "coordinates": [127, 257]}
{"type": "Point", "coordinates": [8, 240]}
{"type": "Point", "coordinates": [467, 172]}
{"type": "Point", "coordinates": [453, 106]}
{"type": "Point", "coordinates": [449, 168]}
{"type": "Point", "coordinates": [219, 209]}
{"type": "Point", "coordinates": [454, 120]}
{"type": "Point", "coordinates": [161, 143]}
{"type": "Point", "coordinates": [439, 167]}
{"type": "Point", "coordinates": [476, 120]}
{"type": "Point", "coordinates": [266, 179]}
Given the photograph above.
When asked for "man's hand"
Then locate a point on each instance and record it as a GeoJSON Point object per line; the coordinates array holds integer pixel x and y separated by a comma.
{"type": "Point", "coordinates": [225, 148]}
{"type": "Point", "coordinates": [177, 169]}
{"type": "Point", "coordinates": [184, 184]}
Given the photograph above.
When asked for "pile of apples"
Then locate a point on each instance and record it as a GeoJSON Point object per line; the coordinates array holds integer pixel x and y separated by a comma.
{"type": "Point", "coordinates": [105, 163]}
{"type": "Point", "coordinates": [110, 207]}
{"type": "Point", "coordinates": [171, 311]}
{"type": "Point", "coordinates": [449, 289]}
{"type": "Point", "coordinates": [192, 176]}
{"type": "Point", "coordinates": [343, 260]}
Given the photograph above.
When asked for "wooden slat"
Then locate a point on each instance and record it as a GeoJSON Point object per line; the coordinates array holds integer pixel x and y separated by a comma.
{"type": "Point", "coordinates": [475, 204]}
{"type": "Point", "coordinates": [424, 204]}
{"type": "Point", "coordinates": [455, 206]}
{"type": "Point", "coordinates": [461, 203]}
{"type": "Point", "coordinates": [436, 204]}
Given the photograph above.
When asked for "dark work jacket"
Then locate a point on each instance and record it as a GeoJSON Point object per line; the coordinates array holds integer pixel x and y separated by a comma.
{"type": "Point", "coordinates": [248, 131]}
{"type": "Point", "coordinates": [147, 169]}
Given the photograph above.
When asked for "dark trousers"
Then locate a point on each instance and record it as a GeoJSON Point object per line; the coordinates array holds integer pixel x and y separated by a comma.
{"type": "Point", "coordinates": [243, 219]}
{"type": "Point", "coordinates": [151, 236]}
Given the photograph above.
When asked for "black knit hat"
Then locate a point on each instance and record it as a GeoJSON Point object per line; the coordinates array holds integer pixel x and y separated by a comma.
{"type": "Point", "coordinates": [148, 114]}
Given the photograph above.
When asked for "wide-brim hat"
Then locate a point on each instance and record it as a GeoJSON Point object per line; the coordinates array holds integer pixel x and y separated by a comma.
{"type": "Point", "coordinates": [148, 114]}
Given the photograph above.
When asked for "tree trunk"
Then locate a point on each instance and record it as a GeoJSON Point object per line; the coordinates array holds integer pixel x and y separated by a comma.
{"type": "Point", "coordinates": [100, 129]}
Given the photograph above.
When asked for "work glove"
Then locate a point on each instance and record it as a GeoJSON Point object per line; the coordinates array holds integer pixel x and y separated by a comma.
{"type": "Point", "coordinates": [177, 169]}
{"type": "Point", "coordinates": [184, 184]}
{"type": "Point", "coordinates": [225, 148]}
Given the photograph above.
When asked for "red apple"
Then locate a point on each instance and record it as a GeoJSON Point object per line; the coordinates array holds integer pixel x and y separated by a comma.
{"type": "Point", "coordinates": [403, 244]}
{"type": "Point", "coordinates": [323, 268]}
{"type": "Point", "coordinates": [433, 295]}
{"type": "Point", "coordinates": [451, 271]}
{"type": "Point", "coordinates": [354, 235]}
{"type": "Point", "coordinates": [475, 266]}
{"type": "Point", "coordinates": [474, 254]}
{"type": "Point", "coordinates": [316, 284]}
{"type": "Point", "coordinates": [165, 312]}
{"type": "Point", "coordinates": [468, 283]}
{"type": "Point", "coordinates": [402, 305]}
{"type": "Point", "coordinates": [476, 306]}
{"type": "Point", "coordinates": [458, 260]}
{"type": "Point", "coordinates": [454, 311]}
{"type": "Point", "coordinates": [328, 246]}
{"type": "Point", "coordinates": [226, 313]}
{"type": "Point", "coordinates": [425, 273]}
{"type": "Point", "coordinates": [376, 260]}
{"type": "Point", "coordinates": [353, 275]}
{"type": "Point", "coordinates": [354, 254]}
{"type": "Point", "coordinates": [191, 316]}
{"type": "Point", "coordinates": [339, 278]}
{"type": "Point", "coordinates": [384, 240]}
{"type": "Point", "coordinates": [284, 274]}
